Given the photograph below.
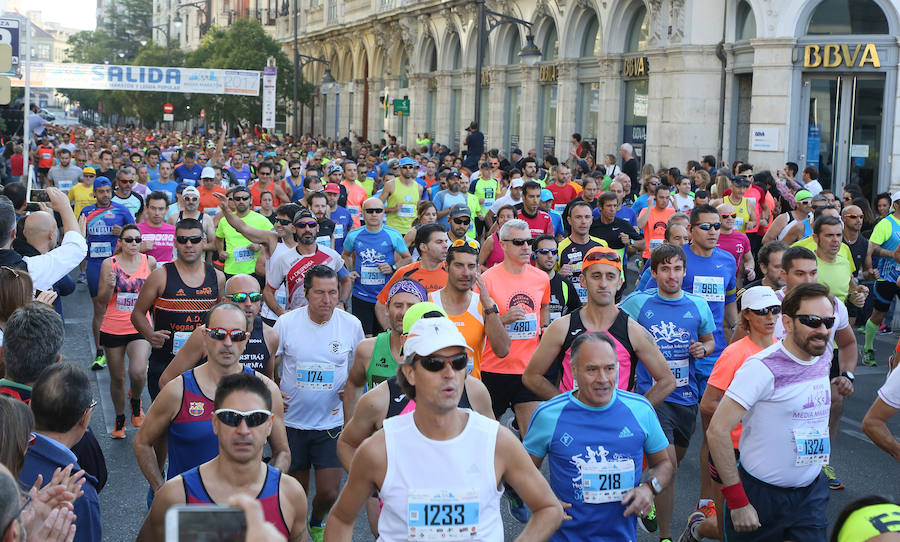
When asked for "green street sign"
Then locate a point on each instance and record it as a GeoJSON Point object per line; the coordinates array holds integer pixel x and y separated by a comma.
{"type": "Point", "coordinates": [401, 107]}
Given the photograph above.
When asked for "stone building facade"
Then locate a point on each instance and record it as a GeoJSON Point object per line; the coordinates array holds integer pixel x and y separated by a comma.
{"type": "Point", "coordinates": [764, 81]}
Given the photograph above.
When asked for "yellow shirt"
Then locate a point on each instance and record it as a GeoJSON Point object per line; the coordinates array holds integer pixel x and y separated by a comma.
{"type": "Point", "coordinates": [81, 196]}
{"type": "Point", "coordinates": [810, 243]}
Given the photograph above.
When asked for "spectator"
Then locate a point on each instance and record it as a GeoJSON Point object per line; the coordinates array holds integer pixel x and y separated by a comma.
{"type": "Point", "coordinates": [62, 409]}
{"type": "Point", "coordinates": [16, 425]}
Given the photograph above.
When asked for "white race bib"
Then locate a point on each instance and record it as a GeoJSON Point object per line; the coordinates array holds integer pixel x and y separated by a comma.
{"type": "Point", "coordinates": [370, 275]}
{"type": "Point", "coordinates": [813, 446]}
{"type": "Point", "coordinates": [582, 294]}
{"type": "Point", "coordinates": [442, 515]}
{"type": "Point", "coordinates": [607, 481]}
{"type": "Point", "coordinates": [338, 231]}
{"type": "Point", "coordinates": [323, 241]}
{"type": "Point", "coordinates": [315, 377]}
{"type": "Point", "coordinates": [407, 210]}
{"type": "Point", "coordinates": [739, 223]}
{"type": "Point", "coordinates": [211, 211]}
{"type": "Point", "coordinates": [656, 242]}
{"type": "Point", "coordinates": [354, 211]}
{"type": "Point", "coordinates": [559, 207]}
{"type": "Point", "coordinates": [101, 250]}
{"type": "Point", "coordinates": [681, 370]}
{"type": "Point", "coordinates": [525, 328]}
{"type": "Point", "coordinates": [125, 301]}
{"type": "Point", "coordinates": [65, 186]}
{"type": "Point", "coordinates": [243, 254]}
{"type": "Point", "coordinates": [554, 316]}
{"type": "Point", "coordinates": [178, 340]}
{"type": "Point", "coordinates": [710, 288]}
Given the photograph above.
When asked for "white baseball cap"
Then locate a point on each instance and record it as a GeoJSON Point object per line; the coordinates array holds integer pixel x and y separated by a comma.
{"type": "Point", "coordinates": [428, 335]}
{"type": "Point", "coordinates": [208, 173]}
{"type": "Point", "coordinates": [190, 190]}
{"type": "Point", "coordinates": [517, 182]}
{"type": "Point", "coordinates": [895, 197]}
{"type": "Point", "coordinates": [759, 297]}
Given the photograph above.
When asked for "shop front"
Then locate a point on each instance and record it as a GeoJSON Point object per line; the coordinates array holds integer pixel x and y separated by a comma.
{"type": "Point", "coordinates": [636, 72]}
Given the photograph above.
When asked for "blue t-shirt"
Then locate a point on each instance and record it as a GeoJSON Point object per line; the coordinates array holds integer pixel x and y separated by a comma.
{"type": "Point", "coordinates": [372, 248]}
{"type": "Point", "coordinates": [444, 200]}
{"type": "Point", "coordinates": [296, 189]}
{"type": "Point", "coordinates": [169, 187]}
{"type": "Point", "coordinates": [182, 172]}
{"type": "Point", "coordinates": [153, 172]}
{"type": "Point", "coordinates": [242, 175]}
{"type": "Point", "coordinates": [597, 442]}
{"type": "Point", "coordinates": [674, 323]}
{"type": "Point", "coordinates": [639, 204]}
{"type": "Point", "coordinates": [343, 223]}
{"type": "Point", "coordinates": [714, 279]}
{"type": "Point", "coordinates": [100, 221]}
{"type": "Point", "coordinates": [625, 213]}
{"type": "Point", "coordinates": [557, 222]}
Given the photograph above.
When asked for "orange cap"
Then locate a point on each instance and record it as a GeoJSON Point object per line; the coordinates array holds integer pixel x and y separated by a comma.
{"type": "Point", "coordinates": [602, 255]}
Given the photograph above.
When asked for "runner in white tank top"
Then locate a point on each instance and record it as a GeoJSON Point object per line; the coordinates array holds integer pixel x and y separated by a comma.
{"type": "Point", "coordinates": [440, 469]}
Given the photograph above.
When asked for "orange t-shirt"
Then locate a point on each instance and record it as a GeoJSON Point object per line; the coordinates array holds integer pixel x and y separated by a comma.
{"type": "Point", "coordinates": [431, 280]}
{"type": "Point", "coordinates": [730, 360]}
{"type": "Point", "coordinates": [655, 229]}
{"type": "Point", "coordinates": [531, 290]}
{"type": "Point", "coordinates": [255, 191]}
{"type": "Point", "coordinates": [208, 199]}
{"type": "Point", "coordinates": [356, 196]}
{"type": "Point", "coordinates": [471, 324]}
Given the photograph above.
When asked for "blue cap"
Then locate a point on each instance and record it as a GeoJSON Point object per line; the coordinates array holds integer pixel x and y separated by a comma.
{"type": "Point", "coordinates": [100, 182]}
{"type": "Point", "coordinates": [546, 195]}
{"type": "Point", "coordinates": [407, 161]}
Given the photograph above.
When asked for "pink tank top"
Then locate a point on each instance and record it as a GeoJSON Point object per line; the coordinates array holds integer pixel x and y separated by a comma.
{"type": "Point", "coordinates": [496, 255]}
{"type": "Point", "coordinates": [117, 320]}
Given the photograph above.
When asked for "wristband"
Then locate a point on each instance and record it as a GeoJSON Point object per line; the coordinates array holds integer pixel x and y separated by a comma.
{"type": "Point", "coordinates": [735, 496]}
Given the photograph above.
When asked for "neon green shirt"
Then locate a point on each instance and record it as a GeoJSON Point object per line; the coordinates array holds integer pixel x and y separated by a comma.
{"type": "Point", "coordinates": [241, 258]}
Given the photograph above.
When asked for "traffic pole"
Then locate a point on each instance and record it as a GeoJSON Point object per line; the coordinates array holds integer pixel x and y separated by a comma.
{"type": "Point", "coordinates": [26, 129]}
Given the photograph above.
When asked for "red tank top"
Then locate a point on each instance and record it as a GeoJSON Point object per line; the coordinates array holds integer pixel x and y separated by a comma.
{"type": "Point", "coordinates": [117, 320]}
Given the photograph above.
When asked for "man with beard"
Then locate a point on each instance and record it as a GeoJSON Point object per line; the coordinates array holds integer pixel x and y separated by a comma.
{"type": "Point", "coordinates": [289, 268]}
{"type": "Point", "coordinates": [564, 297]}
{"type": "Point", "coordinates": [190, 197]}
{"type": "Point", "coordinates": [460, 222]}
{"type": "Point", "coordinates": [401, 197]}
{"type": "Point", "coordinates": [785, 439]}
{"type": "Point", "coordinates": [445, 200]}
{"type": "Point", "coordinates": [317, 202]}
{"type": "Point", "coordinates": [240, 256]}
{"type": "Point", "coordinates": [770, 264]}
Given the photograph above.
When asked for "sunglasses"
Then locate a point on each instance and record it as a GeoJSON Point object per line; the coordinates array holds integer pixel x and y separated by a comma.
{"type": "Point", "coordinates": [437, 363]}
{"type": "Point", "coordinates": [805, 202]}
{"type": "Point", "coordinates": [814, 322]}
{"type": "Point", "coordinates": [602, 255]}
{"type": "Point", "coordinates": [303, 225]}
{"type": "Point", "coordinates": [283, 221]}
{"type": "Point", "coordinates": [191, 199]}
{"type": "Point", "coordinates": [462, 221]}
{"type": "Point", "coordinates": [240, 198]}
{"type": "Point", "coordinates": [233, 418]}
{"type": "Point", "coordinates": [183, 239]}
{"type": "Point", "coordinates": [89, 175]}
{"type": "Point", "coordinates": [127, 181]}
{"type": "Point", "coordinates": [219, 334]}
{"type": "Point", "coordinates": [376, 211]}
{"type": "Point", "coordinates": [854, 217]}
{"type": "Point", "coordinates": [407, 167]}
{"type": "Point", "coordinates": [732, 215]}
{"type": "Point", "coordinates": [518, 242]}
{"type": "Point", "coordinates": [547, 251]}
{"type": "Point", "coordinates": [136, 240]}
{"type": "Point", "coordinates": [240, 297]}
{"type": "Point", "coordinates": [471, 243]}
{"type": "Point", "coordinates": [706, 226]}
{"type": "Point", "coordinates": [775, 309]}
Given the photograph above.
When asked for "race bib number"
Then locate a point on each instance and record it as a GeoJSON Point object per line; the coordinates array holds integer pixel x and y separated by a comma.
{"type": "Point", "coordinates": [178, 340]}
{"type": "Point", "coordinates": [211, 211]}
{"type": "Point", "coordinates": [370, 276]}
{"type": "Point", "coordinates": [315, 377]}
{"type": "Point", "coordinates": [681, 370]}
{"type": "Point", "coordinates": [523, 329]}
{"type": "Point", "coordinates": [125, 301]}
{"type": "Point", "coordinates": [554, 316]}
{"type": "Point", "coordinates": [281, 296]}
{"type": "Point", "coordinates": [323, 241]}
{"type": "Point", "coordinates": [655, 243]}
{"type": "Point", "coordinates": [407, 210]}
{"type": "Point", "coordinates": [101, 250]}
{"type": "Point", "coordinates": [559, 207]}
{"type": "Point", "coordinates": [65, 186]}
{"type": "Point", "coordinates": [582, 294]}
{"type": "Point", "coordinates": [488, 202]}
{"type": "Point", "coordinates": [442, 515]}
{"type": "Point", "coordinates": [739, 223]}
{"type": "Point", "coordinates": [243, 254]}
{"type": "Point", "coordinates": [338, 231]}
{"type": "Point", "coordinates": [710, 288]}
{"type": "Point", "coordinates": [813, 447]}
{"type": "Point", "coordinates": [354, 211]}
{"type": "Point", "coordinates": [607, 481]}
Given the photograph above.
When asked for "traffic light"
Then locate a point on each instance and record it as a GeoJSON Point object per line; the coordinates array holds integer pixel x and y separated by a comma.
{"type": "Point", "coordinates": [5, 72]}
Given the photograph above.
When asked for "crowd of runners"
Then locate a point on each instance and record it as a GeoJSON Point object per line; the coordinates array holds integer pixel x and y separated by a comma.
{"type": "Point", "coordinates": [303, 308]}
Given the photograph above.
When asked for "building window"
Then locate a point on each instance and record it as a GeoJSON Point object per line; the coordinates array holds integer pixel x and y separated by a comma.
{"type": "Point", "coordinates": [746, 22]}
{"type": "Point", "coordinates": [592, 45]}
{"type": "Point", "coordinates": [550, 45]}
{"type": "Point", "coordinates": [639, 31]}
{"type": "Point", "coordinates": [847, 17]}
{"type": "Point", "coordinates": [332, 12]}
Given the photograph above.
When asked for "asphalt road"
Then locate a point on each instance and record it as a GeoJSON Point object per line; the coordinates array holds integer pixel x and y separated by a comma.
{"type": "Point", "coordinates": [864, 468]}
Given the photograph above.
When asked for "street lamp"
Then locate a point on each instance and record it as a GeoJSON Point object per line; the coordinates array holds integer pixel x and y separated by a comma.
{"type": "Point", "coordinates": [530, 54]}
{"type": "Point", "coordinates": [327, 78]}
{"type": "Point", "coordinates": [201, 6]}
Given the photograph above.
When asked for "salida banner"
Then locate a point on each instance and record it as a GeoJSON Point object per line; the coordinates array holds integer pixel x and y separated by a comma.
{"type": "Point", "coordinates": [142, 78]}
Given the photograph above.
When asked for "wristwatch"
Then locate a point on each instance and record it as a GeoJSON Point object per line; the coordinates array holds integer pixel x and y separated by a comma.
{"type": "Point", "coordinates": [492, 310]}
{"type": "Point", "coordinates": [849, 376]}
{"type": "Point", "coordinates": [654, 485]}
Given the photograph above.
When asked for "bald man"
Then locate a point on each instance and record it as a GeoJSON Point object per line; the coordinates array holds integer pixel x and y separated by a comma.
{"type": "Point", "coordinates": [735, 243]}
{"type": "Point", "coordinates": [859, 250]}
{"type": "Point", "coordinates": [259, 355]}
{"type": "Point", "coordinates": [373, 253]}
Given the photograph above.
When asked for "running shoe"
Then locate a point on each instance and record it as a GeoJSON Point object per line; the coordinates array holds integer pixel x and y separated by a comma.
{"type": "Point", "coordinates": [137, 414]}
{"type": "Point", "coordinates": [869, 359]}
{"type": "Point", "coordinates": [884, 329]}
{"type": "Point", "coordinates": [689, 534]}
{"type": "Point", "coordinates": [137, 421]}
{"type": "Point", "coordinates": [119, 431]}
{"type": "Point", "coordinates": [513, 426]}
{"type": "Point", "coordinates": [99, 363]}
{"type": "Point", "coordinates": [834, 483]}
{"type": "Point", "coordinates": [517, 508]}
{"type": "Point", "coordinates": [82, 278]}
{"type": "Point", "coordinates": [648, 523]}
{"type": "Point", "coordinates": [709, 510]}
{"type": "Point", "coordinates": [317, 534]}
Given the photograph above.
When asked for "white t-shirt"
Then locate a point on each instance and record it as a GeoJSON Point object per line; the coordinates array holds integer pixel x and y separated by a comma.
{"type": "Point", "coordinates": [315, 360]}
{"type": "Point", "coordinates": [505, 200]}
{"type": "Point", "coordinates": [684, 204]}
{"type": "Point", "coordinates": [281, 291]}
{"type": "Point", "coordinates": [890, 391]}
{"type": "Point", "coordinates": [814, 187]}
{"type": "Point", "coordinates": [785, 430]}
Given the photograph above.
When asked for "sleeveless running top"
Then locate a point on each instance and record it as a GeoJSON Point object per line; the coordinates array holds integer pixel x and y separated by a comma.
{"type": "Point", "coordinates": [458, 501]}
{"type": "Point", "coordinates": [742, 212]}
{"type": "Point", "coordinates": [269, 497]}
{"type": "Point", "coordinates": [256, 355]}
{"type": "Point", "coordinates": [191, 441]}
{"type": "Point", "coordinates": [401, 404]}
{"type": "Point", "coordinates": [180, 309]}
{"type": "Point", "coordinates": [382, 366]}
{"type": "Point", "coordinates": [471, 324]}
{"type": "Point", "coordinates": [407, 197]}
{"type": "Point", "coordinates": [496, 255]}
{"type": "Point", "coordinates": [117, 320]}
{"type": "Point", "coordinates": [625, 353]}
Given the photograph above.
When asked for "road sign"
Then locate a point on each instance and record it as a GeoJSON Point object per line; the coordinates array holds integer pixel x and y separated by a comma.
{"type": "Point", "coordinates": [168, 117]}
{"type": "Point", "coordinates": [401, 107]}
{"type": "Point", "coordinates": [168, 108]}
{"type": "Point", "coordinates": [5, 67]}
{"type": "Point", "coordinates": [9, 34]}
